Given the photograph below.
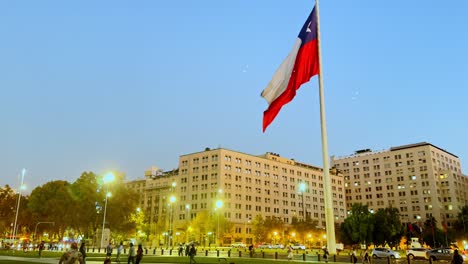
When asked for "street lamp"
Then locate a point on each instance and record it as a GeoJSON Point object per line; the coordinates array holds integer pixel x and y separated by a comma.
{"type": "Point", "coordinates": [219, 204]}
{"type": "Point", "coordinates": [274, 237]}
{"type": "Point", "coordinates": [187, 207]}
{"type": "Point", "coordinates": [245, 229]}
{"type": "Point", "coordinates": [172, 200]}
{"type": "Point", "coordinates": [21, 187]}
{"type": "Point", "coordinates": [302, 189]}
{"type": "Point", "coordinates": [35, 229]}
{"type": "Point", "coordinates": [109, 177]}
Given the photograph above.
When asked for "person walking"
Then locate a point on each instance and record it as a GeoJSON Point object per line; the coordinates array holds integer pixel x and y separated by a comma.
{"type": "Point", "coordinates": [457, 258]}
{"type": "Point", "coordinates": [181, 250]}
{"type": "Point", "coordinates": [325, 254]}
{"type": "Point", "coordinates": [131, 254]}
{"type": "Point", "coordinates": [366, 257]}
{"type": "Point", "coordinates": [354, 256]}
{"type": "Point", "coordinates": [119, 252]}
{"type": "Point", "coordinates": [83, 251]}
{"type": "Point", "coordinates": [187, 250]}
{"type": "Point", "coordinates": [139, 254]}
{"type": "Point", "coordinates": [72, 256]}
{"type": "Point", "coordinates": [109, 250]}
{"type": "Point", "coordinates": [192, 254]}
{"type": "Point", "coordinates": [41, 248]}
{"type": "Point", "coordinates": [290, 253]}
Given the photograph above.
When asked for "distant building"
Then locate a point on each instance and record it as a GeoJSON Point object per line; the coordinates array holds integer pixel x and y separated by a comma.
{"type": "Point", "coordinates": [420, 180]}
{"type": "Point", "coordinates": [248, 185]}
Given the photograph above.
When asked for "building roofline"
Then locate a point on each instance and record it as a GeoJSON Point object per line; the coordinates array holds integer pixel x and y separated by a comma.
{"type": "Point", "coordinates": [420, 144]}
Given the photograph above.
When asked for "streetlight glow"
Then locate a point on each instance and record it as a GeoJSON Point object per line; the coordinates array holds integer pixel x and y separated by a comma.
{"type": "Point", "coordinates": [109, 177]}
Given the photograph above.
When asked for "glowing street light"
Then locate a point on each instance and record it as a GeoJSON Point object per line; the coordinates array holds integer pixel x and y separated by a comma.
{"type": "Point", "coordinates": [219, 204]}
{"type": "Point", "coordinates": [108, 178]}
{"type": "Point", "coordinates": [172, 200]}
{"type": "Point", "coordinates": [302, 189]}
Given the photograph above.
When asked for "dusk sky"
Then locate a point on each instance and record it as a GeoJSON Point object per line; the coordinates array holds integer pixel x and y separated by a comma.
{"type": "Point", "coordinates": [125, 85]}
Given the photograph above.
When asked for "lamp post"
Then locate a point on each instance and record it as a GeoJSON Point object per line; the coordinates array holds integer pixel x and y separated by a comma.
{"type": "Point", "coordinates": [107, 179]}
{"type": "Point", "coordinates": [35, 229]}
{"type": "Point", "coordinates": [21, 187]}
{"type": "Point", "coordinates": [172, 200]}
{"type": "Point", "coordinates": [302, 189]}
{"type": "Point", "coordinates": [187, 207]}
{"type": "Point", "coordinates": [245, 230]}
{"type": "Point", "coordinates": [219, 204]}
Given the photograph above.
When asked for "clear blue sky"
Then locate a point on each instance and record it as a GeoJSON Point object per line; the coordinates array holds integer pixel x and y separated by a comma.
{"type": "Point", "coordinates": [124, 85]}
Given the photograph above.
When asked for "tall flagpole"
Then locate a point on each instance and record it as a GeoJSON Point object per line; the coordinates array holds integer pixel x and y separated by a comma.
{"type": "Point", "coordinates": [329, 218]}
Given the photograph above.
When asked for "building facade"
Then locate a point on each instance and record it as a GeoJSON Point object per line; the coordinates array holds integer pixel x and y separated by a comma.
{"type": "Point", "coordinates": [239, 186]}
{"type": "Point", "coordinates": [420, 180]}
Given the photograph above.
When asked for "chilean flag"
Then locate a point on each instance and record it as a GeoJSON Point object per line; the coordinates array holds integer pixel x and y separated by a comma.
{"type": "Point", "coordinates": [299, 66]}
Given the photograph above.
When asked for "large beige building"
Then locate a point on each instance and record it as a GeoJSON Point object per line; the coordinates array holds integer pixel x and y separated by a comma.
{"type": "Point", "coordinates": [420, 180]}
{"type": "Point", "coordinates": [246, 185]}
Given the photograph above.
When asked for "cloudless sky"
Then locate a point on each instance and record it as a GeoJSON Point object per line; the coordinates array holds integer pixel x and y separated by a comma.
{"type": "Point", "coordinates": [124, 85]}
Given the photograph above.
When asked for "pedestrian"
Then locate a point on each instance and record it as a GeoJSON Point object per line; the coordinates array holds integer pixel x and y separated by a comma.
{"type": "Point", "coordinates": [72, 256]}
{"type": "Point", "coordinates": [83, 251]}
{"type": "Point", "coordinates": [119, 252]}
{"type": "Point", "coordinates": [139, 254]}
{"type": "Point", "coordinates": [181, 250]}
{"type": "Point", "coordinates": [325, 254]}
{"type": "Point", "coordinates": [109, 250]}
{"type": "Point", "coordinates": [290, 253]}
{"type": "Point", "coordinates": [192, 254]}
{"type": "Point", "coordinates": [251, 251]}
{"type": "Point", "coordinates": [107, 261]}
{"type": "Point", "coordinates": [187, 250]}
{"type": "Point", "coordinates": [457, 258]}
{"type": "Point", "coordinates": [354, 256]}
{"type": "Point", "coordinates": [41, 248]}
{"type": "Point", "coordinates": [366, 258]}
{"type": "Point", "coordinates": [131, 254]}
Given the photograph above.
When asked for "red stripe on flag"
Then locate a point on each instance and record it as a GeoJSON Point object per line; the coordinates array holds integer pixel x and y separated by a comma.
{"type": "Point", "coordinates": [306, 66]}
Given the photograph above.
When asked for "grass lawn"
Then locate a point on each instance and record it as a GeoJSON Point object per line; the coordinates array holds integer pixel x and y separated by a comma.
{"type": "Point", "coordinates": [9, 261]}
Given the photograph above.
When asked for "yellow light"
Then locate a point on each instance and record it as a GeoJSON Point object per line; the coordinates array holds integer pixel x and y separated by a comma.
{"type": "Point", "coordinates": [174, 184]}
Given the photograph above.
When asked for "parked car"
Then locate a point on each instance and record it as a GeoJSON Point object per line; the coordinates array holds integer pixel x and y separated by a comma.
{"type": "Point", "coordinates": [298, 246]}
{"type": "Point", "coordinates": [238, 245]}
{"type": "Point", "coordinates": [277, 246]}
{"type": "Point", "coordinates": [442, 254]}
{"type": "Point", "coordinates": [416, 253]}
{"type": "Point", "coordinates": [264, 246]}
{"type": "Point", "coordinates": [384, 253]}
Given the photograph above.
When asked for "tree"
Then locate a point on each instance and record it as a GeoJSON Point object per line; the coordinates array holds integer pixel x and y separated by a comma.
{"type": "Point", "coordinates": [53, 202]}
{"type": "Point", "coordinates": [358, 227]}
{"type": "Point", "coordinates": [7, 209]}
{"type": "Point", "coordinates": [462, 222]}
{"type": "Point", "coordinates": [259, 229]}
{"type": "Point", "coordinates": [390, 227]}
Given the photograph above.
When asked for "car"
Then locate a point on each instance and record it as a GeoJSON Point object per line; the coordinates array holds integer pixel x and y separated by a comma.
{"type": "Point", "coordinates": [264, 246]}
{"type": "Point", "coordinates": [416, 253]}
{"type": "Point", "coordinates": [298, 246]}
{"type": "Point", "coordinates": [238, 245]}
{"type": "Point", "coordinates": [384, 253]}
{"type": "Point", "coordinates": [277, 246]}
{"type": "Point", "coordinates": [441, 254]}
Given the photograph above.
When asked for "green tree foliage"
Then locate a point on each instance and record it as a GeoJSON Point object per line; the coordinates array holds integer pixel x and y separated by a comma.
{"type": "Point", "coordinates": [85, 196]}
{"type": "Point", "coordinates": [259, 229]}
{"type": "Point", "coordinates": [53, 202]}
{"type": "Point", "coordinates": [461, 224]}
{"type": "Point", "coordinates": [390, 229]}
{"type": "Point", "coordinates": [302, 228]}
{"type": "Point", "coordinates": [358, 227]}
{"type": "Point", "coordinates": [7, 209]}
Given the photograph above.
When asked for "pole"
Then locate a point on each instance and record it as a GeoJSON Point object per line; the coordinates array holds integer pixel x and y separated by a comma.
{"type": "Point", "coordinates": [330, 223]}
{"type": "Point", "coordinates": [104, 219]}
{"type": "Point", "coordinates": [170, 227]}
{"type": "Point", "coordinates": [217, 233]}
{"type": "Point", "coordinates": [23, 172]}
{"type": "Point", "coordinates": [35, 229]}
{"type": "Point", "coordinates": [303, 210]}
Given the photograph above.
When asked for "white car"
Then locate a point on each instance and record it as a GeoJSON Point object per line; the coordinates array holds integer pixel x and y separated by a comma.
{"type": "Point", "coordinates": [238, 245]}
{"type": "Point", "coordinates": [384, 253]}
{"type": "Point", "coordinates": [298, 246]}
{"type": "Point", "coordinates": [419, 253]}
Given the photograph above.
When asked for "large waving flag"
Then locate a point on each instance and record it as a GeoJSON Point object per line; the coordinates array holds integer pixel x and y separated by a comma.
{"type": "Point", "coordinates": [299, 66]}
